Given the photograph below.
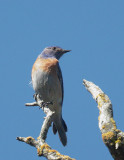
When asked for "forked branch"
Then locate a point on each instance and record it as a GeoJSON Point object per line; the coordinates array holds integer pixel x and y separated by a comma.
{"type": "Point", "coordinates": [43, 149]}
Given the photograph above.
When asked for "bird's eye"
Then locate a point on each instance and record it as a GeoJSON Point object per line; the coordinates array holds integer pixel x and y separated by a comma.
{"type": "Point", "coordinates": [54, 48]}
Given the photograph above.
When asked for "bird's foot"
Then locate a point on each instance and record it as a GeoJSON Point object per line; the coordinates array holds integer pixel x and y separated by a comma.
{"type": "Point", "coordinates": [45, 104]}
{"type": "Point", "coordinates": [41, 103]}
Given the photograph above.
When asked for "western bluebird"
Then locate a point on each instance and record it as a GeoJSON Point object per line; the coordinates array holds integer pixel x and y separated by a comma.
{"type": "Point", "coordinates": [48, 83]}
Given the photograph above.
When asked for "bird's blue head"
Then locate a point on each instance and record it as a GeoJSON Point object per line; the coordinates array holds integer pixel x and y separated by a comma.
{"type": "Point", "coordinates": [53, 52]}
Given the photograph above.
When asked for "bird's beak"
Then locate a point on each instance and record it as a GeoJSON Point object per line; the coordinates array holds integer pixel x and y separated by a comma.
{"type": "Point", "coordinates": [65, 51]}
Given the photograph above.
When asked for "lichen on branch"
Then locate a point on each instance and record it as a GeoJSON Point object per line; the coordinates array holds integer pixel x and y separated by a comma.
{"type": "Point", "coordinates": [112, 137]}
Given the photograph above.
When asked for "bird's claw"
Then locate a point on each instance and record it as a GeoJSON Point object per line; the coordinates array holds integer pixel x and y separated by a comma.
{"type": "Point", "coordinates": [45, 104]}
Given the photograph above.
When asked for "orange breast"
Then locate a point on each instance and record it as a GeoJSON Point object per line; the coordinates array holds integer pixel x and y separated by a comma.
{"type": "Point", "coordinates": [48, 65]}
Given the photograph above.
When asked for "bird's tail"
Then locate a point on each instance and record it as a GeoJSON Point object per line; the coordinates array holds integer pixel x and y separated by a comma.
{"type": "Point", "coordinates": [60, 126]}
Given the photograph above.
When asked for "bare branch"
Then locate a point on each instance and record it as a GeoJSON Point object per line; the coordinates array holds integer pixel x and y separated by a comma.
{"type": "Point", "coordinates": [112, 137]}
{"type": "Point", "coordinates": [31, 104]}
{"type": "Point", "coordinates": [43, 149]}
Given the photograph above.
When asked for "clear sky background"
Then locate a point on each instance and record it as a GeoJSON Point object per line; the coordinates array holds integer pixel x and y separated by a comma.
{"type": "Point", "coordinates": [94, 31]}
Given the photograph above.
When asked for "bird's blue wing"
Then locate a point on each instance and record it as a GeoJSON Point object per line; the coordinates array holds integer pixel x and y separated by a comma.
{"type": "Point", "coordinates": [59, 73]}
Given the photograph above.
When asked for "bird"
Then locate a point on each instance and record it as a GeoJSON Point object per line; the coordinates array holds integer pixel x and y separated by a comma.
{"type": "Point", "coordinates": [47, 82]}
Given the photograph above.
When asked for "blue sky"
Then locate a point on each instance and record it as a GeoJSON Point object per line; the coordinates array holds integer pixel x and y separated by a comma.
{"type": "Point", "coordinates": [94, 31]}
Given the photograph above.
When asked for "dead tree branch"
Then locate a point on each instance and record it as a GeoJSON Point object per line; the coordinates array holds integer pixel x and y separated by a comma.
{"type": "Point", "coordinates": [112, 137]}
{"type": "Point", "coordinates": [43, 149]}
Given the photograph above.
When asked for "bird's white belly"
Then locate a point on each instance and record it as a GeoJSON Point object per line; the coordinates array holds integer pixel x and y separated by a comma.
{"type": "Point", "coordinates": [48, 87]}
